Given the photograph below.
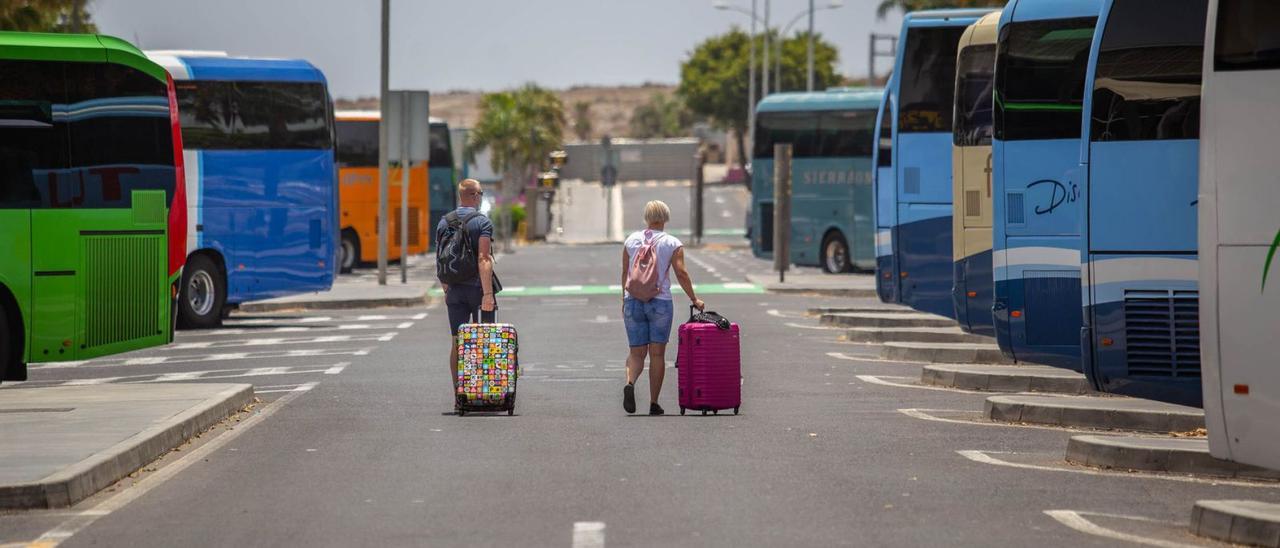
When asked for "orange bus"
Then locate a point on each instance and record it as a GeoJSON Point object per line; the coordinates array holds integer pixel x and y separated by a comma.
{"type": "Point", "coordinates": [357, 156]}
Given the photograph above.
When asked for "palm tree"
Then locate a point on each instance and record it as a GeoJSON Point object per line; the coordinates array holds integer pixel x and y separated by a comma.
{"type": "Point", "coordinates": [519, 128]}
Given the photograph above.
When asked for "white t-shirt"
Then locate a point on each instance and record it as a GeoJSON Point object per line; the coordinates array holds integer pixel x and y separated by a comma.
{"type": "Point", "coordinates": [665, 245]}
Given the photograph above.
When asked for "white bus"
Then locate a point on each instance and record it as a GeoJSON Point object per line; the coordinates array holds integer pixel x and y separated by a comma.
{"type": "Point", "coordinates": [1239, 231]}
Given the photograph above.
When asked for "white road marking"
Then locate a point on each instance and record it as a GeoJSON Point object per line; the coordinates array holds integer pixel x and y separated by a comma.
{"type": "Point", "coordinates": [566, 288]}
{"type": "Point", "coordinates": [263, 371]}
{"type": "Point", "coordinates": [387, 337]}
{"type": "Point", "coordinates": [371, 318]}
{"type": "Point", "coordinates": [739, 285]}
{"type": "Point", "coordinates": [81, 520]}
{"type": "Point", "coordinates": [212, 358]}
{"type": "Point", "coordinates": [287, 388]}
{"type": "Point", "coordinates": [315, 319]}
{"type": "Point", "coordinates": [419, 316]}
{"type": "Point", "coordinates": [88, 382]}
{"type": "Point", "coordinates": [258, 342]}
{"type": "Point", "coordinates": [176, 377]}
{"type": "Point", "coordinates": [880, 380]}
{"type": "Point", "coordinates": [986, 457]}
{"type": "Point", "coordinates": [817, 327]}
{"type": "Point", "coordinates": [337, 369]}
{"type": "Point", "coordinates": [1077, 521]}
{"type": "Point", "coordinates": [347, 326]}
{"type": "Point", "coordinates": [577, 380]}
{"type": "Point", "coordinates": [615, 288]}
{"type": "Point", "coordinates": [588, 534]}
{"type": "Point", "coordinates": [404, 325]}
{"type": "Point", "coordinates": [190, 345]}
{"type": "Point", "coordinates": [150, 360]}
{"type": "Point", "coordinates": [923, 414]}
{"type": "Point", "coordinates": [780, 314]}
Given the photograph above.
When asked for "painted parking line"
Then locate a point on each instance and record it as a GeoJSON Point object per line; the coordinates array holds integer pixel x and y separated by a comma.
{"type": "Point", "coordinates": [278, 341]}
{"type": "Point", "coordinates": [988, 457]}
{"type": "Point", "coordinates": [234, 356]}
{"type": "Point", "coordinates": [1076, 520]}
{"type": "Point", "coordinates": [729, 288]}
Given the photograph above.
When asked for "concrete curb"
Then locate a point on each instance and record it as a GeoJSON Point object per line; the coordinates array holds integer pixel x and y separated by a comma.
{"type": "Point", "coordinates": [102, 469]}
{"type": "Point", "coordinates": [1005, 378]}
{"type": "Point", "coordinates": [1106, 413]}
{"type": "Point", "coordinates": [337, 304]}
{"type": "Point", "coordinates": [885, 319]}
{"type": "Point", "coordinates": [878, 335]}
{"type": "Point", "coordinates": [1237, 521]}
{"type": "Point", "coordinates": [943, 353]}
{"type": "Point", "coordinates": [1152, 454]}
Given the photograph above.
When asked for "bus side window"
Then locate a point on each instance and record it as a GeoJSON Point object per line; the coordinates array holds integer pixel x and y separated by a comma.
{"type": "Point", "coordinates": [33, 139]}
{"type": "Point", "coordinates": [1248, 35]}
{"type": "Point", "coordinates": [884, 157]}
{"type": "Point", "coordinates": [280, 115]}
{"type": "Point", "coordinates": [120, 137]}
{"type": "Point", "coordinates": [1149, 89]}
{"type": "Point", "coordinates": [441, 153]}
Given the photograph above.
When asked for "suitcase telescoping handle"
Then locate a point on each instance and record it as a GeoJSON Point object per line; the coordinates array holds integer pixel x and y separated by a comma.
{"type": "Point", "coordinates": [480, 314]}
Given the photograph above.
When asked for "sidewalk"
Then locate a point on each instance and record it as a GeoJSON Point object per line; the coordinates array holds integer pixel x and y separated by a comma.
{"type": "Point", "coordinates": [360, 289]}
{"type": "Point", "coordinates": [63, 444]}
{"type": "Point", "coordinates": [835, 285]}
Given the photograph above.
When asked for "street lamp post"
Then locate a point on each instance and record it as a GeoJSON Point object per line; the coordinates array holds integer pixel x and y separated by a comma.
{"type": "Point", "coordinates": [833, 4]}
{"type": "Point", "coordinates": [751, 71]}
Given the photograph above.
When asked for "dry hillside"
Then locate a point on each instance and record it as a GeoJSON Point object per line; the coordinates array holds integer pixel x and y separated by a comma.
{"type": "Point", "coordinates": [610, 106]}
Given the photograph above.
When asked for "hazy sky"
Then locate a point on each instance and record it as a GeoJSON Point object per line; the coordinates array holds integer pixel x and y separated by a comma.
{"type": "Point", "coordinates": [443, 45]}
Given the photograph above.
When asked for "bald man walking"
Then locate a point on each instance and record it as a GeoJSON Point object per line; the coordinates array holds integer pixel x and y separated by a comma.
{"type": "Point", "coordinates": [472, 296]}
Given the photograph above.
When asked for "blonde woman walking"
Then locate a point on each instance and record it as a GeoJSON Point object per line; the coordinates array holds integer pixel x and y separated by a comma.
{"type": "Point", "coordinates": [647, 258]}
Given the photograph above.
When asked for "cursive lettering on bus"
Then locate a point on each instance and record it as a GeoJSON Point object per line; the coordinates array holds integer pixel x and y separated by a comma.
{"type": "Point", "coordinates": [1059, 194]}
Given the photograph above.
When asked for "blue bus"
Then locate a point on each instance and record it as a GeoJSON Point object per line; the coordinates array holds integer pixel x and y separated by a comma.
{"type": "Point", "coordinates": [913, 204]}
{"type": "Point", "coordinates": [1140, 149]}
{"type": "Point", "coordinates": [442, 182]}
{"type": "Point", "coordinates": [261, 181]}
{"type": "Point", "coordinates": [1041, 59]}
{"type": "Point", "coordinates": [832, 140]}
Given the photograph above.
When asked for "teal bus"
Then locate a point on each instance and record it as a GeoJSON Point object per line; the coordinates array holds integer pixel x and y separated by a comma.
{"type": "Point", "coordinates": [832, 136]}
{"type": "Point", "coordinates": [92, 218]}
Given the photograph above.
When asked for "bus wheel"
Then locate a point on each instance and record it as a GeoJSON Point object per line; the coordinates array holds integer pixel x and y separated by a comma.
{"type": "Point", "coordinates": [349, 251]}
{"type": "Point", "coordinates": [835, 253]}
{"type": "Point", "coordinates": [204, 293]}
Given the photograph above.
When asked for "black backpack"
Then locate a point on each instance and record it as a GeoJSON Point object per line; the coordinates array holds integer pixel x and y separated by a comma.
{"type": "Point", "coordinates": [456, 261]}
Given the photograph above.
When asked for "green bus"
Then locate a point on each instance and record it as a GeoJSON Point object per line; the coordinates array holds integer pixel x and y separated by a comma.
{"type": "Point", "coordinates": [92, 200]}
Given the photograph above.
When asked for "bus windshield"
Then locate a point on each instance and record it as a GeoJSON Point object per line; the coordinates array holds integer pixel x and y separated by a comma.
{"type": "Point", "coordinates": [222, 115]}
{"type": "Point", "coordinates": [974, 78]}
{"type": "Point", "coordinates": [357, 143]}
{"type": "Point", "coordinates": [816, 134]}
{"type": "Point", "coordinates": [1147, 82]}
{"type": "Point", "coordinates": [441, 150]}
{"type": "Point", "coordinates": [1040, 78]}
{"type": "Point", "coordinates": [928, 77]}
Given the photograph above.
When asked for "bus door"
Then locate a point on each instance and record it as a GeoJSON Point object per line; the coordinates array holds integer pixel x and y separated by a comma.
{"type": "Point", "coordinates": [886, 197]}
{"type": "Point", "coordinates": [1142, 332]}
{"type": "Point", "coordinates": [1040, 77]}
{"type": "Point", "coordinates": [923, 166]}
{"type": "Point", "coordinates": [1240, 231]}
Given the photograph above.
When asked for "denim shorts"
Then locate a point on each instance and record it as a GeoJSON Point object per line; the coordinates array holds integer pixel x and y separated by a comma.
{"type": "Point", "coordinates": [647, 323]}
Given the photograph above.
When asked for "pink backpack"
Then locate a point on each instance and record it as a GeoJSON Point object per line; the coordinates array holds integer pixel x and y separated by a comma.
{"type": "Point", "coordinates": [643, 275]}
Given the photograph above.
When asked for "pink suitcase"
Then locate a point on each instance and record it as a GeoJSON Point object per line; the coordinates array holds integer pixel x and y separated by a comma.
{"type": "Point", "coordinates": [709, 364]}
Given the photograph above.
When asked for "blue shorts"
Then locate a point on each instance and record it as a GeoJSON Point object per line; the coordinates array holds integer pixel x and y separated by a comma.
{"type": "Point", "coordinates": [647, 323]}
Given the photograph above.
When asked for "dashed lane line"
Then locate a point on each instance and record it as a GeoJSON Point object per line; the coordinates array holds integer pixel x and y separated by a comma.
{"type": "Point", "coordinates": [586, 290]}
{"type": "Point", "coordinates": [588, 534]}
{"type": "Point", "coordinates": [214, 374]}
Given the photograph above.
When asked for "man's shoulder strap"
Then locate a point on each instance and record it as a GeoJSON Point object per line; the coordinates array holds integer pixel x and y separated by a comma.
{"type": "Point", "coordinates": [451, 218]}
{"type": "Point", "coordinates": [469, 216]}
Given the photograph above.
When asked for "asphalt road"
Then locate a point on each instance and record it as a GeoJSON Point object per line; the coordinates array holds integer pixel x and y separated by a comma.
{"type": "Point", "coordinates": [368, 454]}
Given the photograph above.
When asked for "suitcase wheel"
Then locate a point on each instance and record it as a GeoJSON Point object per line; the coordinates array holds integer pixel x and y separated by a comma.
{"type": "Point", "coordinates": [716, 412]}
{"type": "Point", "coordinates": [735, 410]}
{"type": "Point", "coordinates": [462, 412]}
{"type": "Point", "coordinates": [704, 413]}
{"type": "Point", "coordinates": [681, 410]}
{"type": "Point", "coordinates": [511, 411]}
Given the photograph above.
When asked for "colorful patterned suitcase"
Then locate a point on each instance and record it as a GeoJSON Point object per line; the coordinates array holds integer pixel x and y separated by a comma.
{"type": "Point", "coordinates": [487, 367]}
{"type": "Point", "coordinates": [709, 364]}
